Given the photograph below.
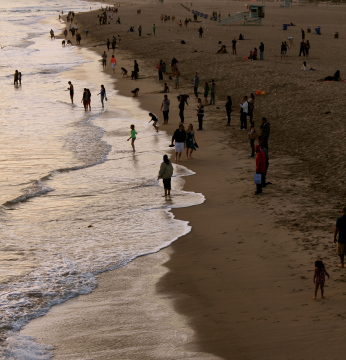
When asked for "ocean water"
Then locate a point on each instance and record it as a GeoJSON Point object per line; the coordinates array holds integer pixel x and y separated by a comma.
{"type": "Point", "coordinates": [74, 201]}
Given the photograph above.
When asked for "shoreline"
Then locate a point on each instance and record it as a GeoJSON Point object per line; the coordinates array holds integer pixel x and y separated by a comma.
{"type": "Point", "coordinates": [245, 269]}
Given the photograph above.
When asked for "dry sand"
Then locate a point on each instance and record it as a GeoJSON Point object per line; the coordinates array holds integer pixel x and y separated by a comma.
{"type": "Point", "coordinates": [240, 284]}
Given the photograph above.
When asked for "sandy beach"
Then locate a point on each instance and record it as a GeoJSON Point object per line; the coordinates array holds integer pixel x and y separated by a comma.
{"type": "Point", "coordinates": [239, 285]}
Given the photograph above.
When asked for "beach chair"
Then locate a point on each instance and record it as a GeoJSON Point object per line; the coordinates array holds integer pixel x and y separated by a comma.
{"type": "Point", "coordinates": [201, 14]}
{"type": "Point", "coordinates": [205, 16]}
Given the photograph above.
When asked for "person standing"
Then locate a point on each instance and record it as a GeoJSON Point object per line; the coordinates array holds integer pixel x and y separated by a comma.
{"type": "Point", "coordinates": [260, 167]}
{"type": "Point", "coordinates": [85, 98]}
{"type": "Point", "coordinates": [181, 108]}
{"type": "Point", "coordinates": [265, 132]}
{"type": "Point", "coordinates": [251, 106]}
{"type": "Point", "coordinates": [307, 48]}
{"type": "Point", "coordinates": [179, 138]}
{"type": "Point", "coordinates": [206, 93]}
{"type": "Point", "coordinates": [200, 31]}
{"type": "Point", "coordinates": [154, 29]}
{"type": "Point", "coordinates": [228, 110]}
{"type": "Point", "coordinates": [104, 59]}
{"type": "Point", "coordinates": [133, 137]}
{"type": "Point", "coordinates": [70, 88]}
{"type": "Point", "coordinates": [261, 49]}
{"type": "Point", "coordinates": [340, 228]}
{"type": "Point", "coordinates": [176, 78]}
{"type": "Point", "coordinates": [302, 48]}
{"type": "Point", "coordinates": [252, 138]}
{"type": "Point", "coordinates": [165, 108]}
{"type": "Point", "coordinates": [108, 44]}
{"type": "Point", "coordinates": [159, 69]}
{"type": "Point", "coordinates": [303, 34]}
{"type": "Point", "coordinates": [212, 93]}
{"type": "Point", "coordinates": [103, 95]}
{"type": "Point", "coordinates": [165, 173]}
{"type": "Point", "coordinates": [174, 64]}
{"type": "Point", "coordinates": [164, 69]}
{"type": "Point", "coordinates": [243, 113]}
{"type": "Point", "coordinates": [234, 46]}
{"type": "Point", "coordinates": [195, 85]}
{"type": "Point", "coordinates": [135, 70]}
{"type": "Point", "coordinates": [113, 63]}
{"type": "Point", "coordinates": [140, 30]}
{"type": "Point", "coordinates": [200, 114]}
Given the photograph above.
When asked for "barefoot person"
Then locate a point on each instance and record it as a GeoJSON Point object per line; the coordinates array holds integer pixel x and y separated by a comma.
{"type": "Point", "coordinates": [70, 88]}
{"type": "Point", "coordinates": [340, 228]}
{"type": "Point", "coordinates": [179, 137]}
{"type": "Point", "coordinates": [190, 141]}
{"type": "Point", "coordinates": [165, 173]}
{"type": "Point", "coordinates": [133, 137]}
{"type": "Point", "coordinates": [319, 277]}
{"type": "Point", "coordinates": [103, 95]}
{"type": "Point", "coordinates": [155, 121]}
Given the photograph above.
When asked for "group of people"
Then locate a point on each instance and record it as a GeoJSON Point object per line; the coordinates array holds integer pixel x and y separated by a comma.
{"type": "Point", "coordinates": [17, 78]}
{"type": "Point", "coordinates": [86, 98]}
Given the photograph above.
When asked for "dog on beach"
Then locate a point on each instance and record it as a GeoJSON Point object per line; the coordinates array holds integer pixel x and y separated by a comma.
{"type": "Point", "coordinates": [69, 42]}
{"type": "Point", "coordinates": [63, 43]}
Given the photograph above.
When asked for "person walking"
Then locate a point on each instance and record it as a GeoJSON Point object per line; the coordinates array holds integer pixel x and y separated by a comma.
{"type": "Point", "coordinates": [243, 113]}
{"type": "Point", "coordinates": [108, 44]}
{"type": "Point", "coordinates": [165, 173]}
{"type": "Point", "coordinates": [179, 137]}
{"type": "Point", "coordinates": [165, 108]}
{"type": "Point", "coordinates": [159, 69]}
{"type": "Point", "coordinates": [154, 29]}
{"type": "Point", "coordinates": [212, 93]}
{"type": "Point", "coordinates": [200, 113]}
{"type": "Point", "coordinates": [181, 107]}
{"type": "Point", "coordinates": [260, 167]}
{"type": "Point", "coordinates": [103, 95]}
{"type": "Point", "coordinates": [261, 49]}
{"type": "Point", "coordinates": [195, 85]}
{"type": "Point", "coordinates": [71, 89]}
{"type": "Point", "coordinates": [104, 60]}
{"type": "Point", "coordinates": [133, 137]}
{"type": "Point", "coordinates": [85, 99]}
{"type": "Point", "coordinates": [140, 30]}
{"type": "Point", "coordinates": [340, 229]}
{"type": "Point", "coordinates": [135, 70]}
{"type": "Point", "coordinates": [307, 48]}
{"type": "Point", "coordinates": [228, 110]}
{"type": "Point", "coordinates": [190, 141]}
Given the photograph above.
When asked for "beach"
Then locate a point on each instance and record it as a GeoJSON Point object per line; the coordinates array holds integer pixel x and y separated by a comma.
{"type": "Point", "coordinates": [239, 284]}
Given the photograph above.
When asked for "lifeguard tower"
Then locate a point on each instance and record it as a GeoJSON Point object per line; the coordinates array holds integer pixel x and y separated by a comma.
{"type": "Point", "coordinates": [254, 15]}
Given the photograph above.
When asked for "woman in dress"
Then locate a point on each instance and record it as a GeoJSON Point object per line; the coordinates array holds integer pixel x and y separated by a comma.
{"type": "Point", "coordinates": [190, 141]}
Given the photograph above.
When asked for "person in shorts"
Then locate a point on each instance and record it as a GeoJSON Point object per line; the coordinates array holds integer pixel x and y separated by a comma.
{"type": "Point", "coordinates": [179, 138]}
{"type": "Point", "coordinates": [104, 59]}
{"type": "Point", "coordinates": [165, 108]}
{"type": "Point", "coordinates": [340, 228]}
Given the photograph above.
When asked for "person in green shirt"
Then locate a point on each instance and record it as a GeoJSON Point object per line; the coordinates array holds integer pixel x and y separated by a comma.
{"type": "Point", "coordinates": [133, 137]}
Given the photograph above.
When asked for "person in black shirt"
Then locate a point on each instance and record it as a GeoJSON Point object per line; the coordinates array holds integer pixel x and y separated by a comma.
{"type": "Point", "coordinates": [229, 109]}
{"type": "Point", "coordinates": [179, 137]}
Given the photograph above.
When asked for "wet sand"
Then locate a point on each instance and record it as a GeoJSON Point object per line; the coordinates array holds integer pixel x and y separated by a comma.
{"type": "Point", "coordinates": [240, 284]}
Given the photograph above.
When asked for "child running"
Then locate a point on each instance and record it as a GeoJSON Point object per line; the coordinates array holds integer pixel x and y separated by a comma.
{"type": "Point", "coordinates": [319, 277]}
{"type": "Point", "coordinates": [132, 137]}
{"type": "Point", "coordinates": [155, 121]}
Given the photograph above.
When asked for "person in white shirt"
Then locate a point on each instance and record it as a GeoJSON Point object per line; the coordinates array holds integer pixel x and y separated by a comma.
{"type": "Point", "coordinates": [243, 113]}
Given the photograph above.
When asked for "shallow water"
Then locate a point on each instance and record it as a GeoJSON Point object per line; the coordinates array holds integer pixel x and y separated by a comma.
{"type": "Point", "coordinates": [75, 200]}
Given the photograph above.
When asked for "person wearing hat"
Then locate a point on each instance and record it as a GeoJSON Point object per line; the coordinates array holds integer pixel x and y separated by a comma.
{"type": "Point", "coordinates": [260, 167]}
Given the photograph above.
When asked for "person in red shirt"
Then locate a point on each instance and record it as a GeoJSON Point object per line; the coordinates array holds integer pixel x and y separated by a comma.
{"type": "Point", "coordinates": [260, 167]}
